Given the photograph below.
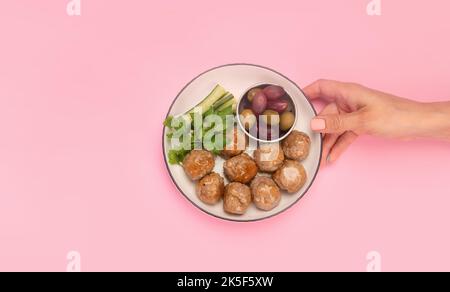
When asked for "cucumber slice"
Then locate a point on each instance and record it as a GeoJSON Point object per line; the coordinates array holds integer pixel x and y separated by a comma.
{"type": "Point", "coordinates": [231, 102]}
{"type": "Point", "coordinates": [216, 94]}
{"type": "Point", "coordinates": [222, 100]}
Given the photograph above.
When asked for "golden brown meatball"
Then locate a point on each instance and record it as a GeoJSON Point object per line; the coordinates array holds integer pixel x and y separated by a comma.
{"type": "Point", "coordinates": [198, 163]}
{"type": "Point", "coordinates": [237, 198]}
{"type": "Point", "coordinates": [296, 145]}
{"type": "Point", "coordinates": [265, 193]}
{"type": "Point", "coordinates": [210, 188]}
{"type": "Point", "coordinates": [241, 168]}
{"type": "Point", "coordinates": [269, 157]}
{"type": "Point", "coordinates": [291, 176]}
{"type": "Point", "coordinates": [236, 143]}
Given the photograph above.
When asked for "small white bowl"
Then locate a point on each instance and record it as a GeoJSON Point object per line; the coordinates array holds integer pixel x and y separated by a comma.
{"type": "Point", "coordinates": [243, 96]}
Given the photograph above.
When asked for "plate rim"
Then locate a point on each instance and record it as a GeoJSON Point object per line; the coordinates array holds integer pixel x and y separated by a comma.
{"type": "Point", "coordinates": [179, 188]}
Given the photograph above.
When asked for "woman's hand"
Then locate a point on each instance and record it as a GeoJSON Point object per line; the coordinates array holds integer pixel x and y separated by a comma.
{"type": "Point", "coordinates": [354, 110]}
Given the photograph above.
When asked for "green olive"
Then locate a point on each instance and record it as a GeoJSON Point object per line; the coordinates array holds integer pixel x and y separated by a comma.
{"type": "Point", "coordinates": [271, 118]}
{"type": "Point", "coordinates": [251, 94]}
{"type": "Point", "coordinates": [248, 118]}
{"type": "Point", "coordinates": [287, 121]}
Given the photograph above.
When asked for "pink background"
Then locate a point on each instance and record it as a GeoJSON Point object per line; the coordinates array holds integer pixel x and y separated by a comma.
{"type": "Point", "coordinates": [82, 100]}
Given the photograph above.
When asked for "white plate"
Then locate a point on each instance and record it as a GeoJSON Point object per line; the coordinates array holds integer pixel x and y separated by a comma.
{"type": "Point", "coordinates": [236, 78]}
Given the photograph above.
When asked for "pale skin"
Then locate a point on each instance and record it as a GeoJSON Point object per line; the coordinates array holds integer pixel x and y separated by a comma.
{"type": "Point", "coordinates": [353, 110]}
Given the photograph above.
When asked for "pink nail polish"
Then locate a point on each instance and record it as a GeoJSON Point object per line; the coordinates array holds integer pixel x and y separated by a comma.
{"type": "Point", "coordinates": [317, 124]}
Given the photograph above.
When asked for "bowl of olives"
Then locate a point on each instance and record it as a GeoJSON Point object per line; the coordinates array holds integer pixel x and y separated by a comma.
{"type": "Point", "coordinates": [267, 113]}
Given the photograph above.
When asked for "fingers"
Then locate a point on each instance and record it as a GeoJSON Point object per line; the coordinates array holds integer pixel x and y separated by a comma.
{"type": "Point", "coordinates": [326, 89]}
{"type": "Point", "coordinates": [328, 141]}
{"type": "Point", "coordinates": [329, 109]}
{"type": "Point", "coordinates": [340, 128]}
{"type": "Point", "coordinates": [336, 123]}
{"type": "Point", "coordinates": [341, 145]}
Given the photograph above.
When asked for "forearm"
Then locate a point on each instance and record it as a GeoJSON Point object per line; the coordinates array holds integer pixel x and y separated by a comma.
{"type": "Point", "coordinates": [435, 120]}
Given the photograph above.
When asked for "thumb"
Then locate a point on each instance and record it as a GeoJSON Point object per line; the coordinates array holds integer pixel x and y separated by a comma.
{"type": "Point", "coordinates": [336, 123]}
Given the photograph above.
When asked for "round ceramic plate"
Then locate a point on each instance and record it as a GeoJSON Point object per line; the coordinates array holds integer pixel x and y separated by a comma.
{"type": "Point", "coordinates": [236, 78]}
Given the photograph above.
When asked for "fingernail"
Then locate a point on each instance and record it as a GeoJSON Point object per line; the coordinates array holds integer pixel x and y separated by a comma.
{"type": "Point", "coordinates": [317, 124]}
{"type": "Point", "coordinates": [328, 158]}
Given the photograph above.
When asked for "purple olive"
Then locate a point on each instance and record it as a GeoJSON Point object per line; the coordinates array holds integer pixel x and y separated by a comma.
{"type": "Point", "coordinates": [277, 105]}
{"type": "Point", "coordinates": [274, 92]}
{"type": "Point", "coordinates": [259, 103]}
{"type": "Point", "coordinates": [251, 94]}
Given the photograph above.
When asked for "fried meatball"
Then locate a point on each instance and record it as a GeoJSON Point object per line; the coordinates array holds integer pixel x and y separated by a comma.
{"type": "Point", "coordinates": [241, 168]}
{"type": "Point", "coordinates": [265, 193]}
{"type": "Point", "coordinates": [296, 145]}
{"type": "Point", "coordinates": [236, 143]}
{"type": "Point", "coordinates": [269, 157]}
{"type": "Point", "coordinates": [210, 188]}
{"type": "Point", "coordinates": [198, 163]}
{"type": "Point", "coordinates": [237, 198]}
{"type": "Point", "coordinates": [291, 176]}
